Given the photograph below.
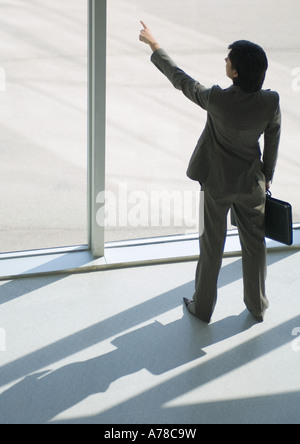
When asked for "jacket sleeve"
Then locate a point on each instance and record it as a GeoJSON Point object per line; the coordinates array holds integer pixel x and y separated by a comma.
{"type": "Point", "coordinates": [271, 144]}
{"type": "Point", "coordinates": [192, 89]}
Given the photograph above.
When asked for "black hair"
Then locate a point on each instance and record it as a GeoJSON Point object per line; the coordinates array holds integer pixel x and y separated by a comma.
{"type": "Point", "coordinates": [251, 63]}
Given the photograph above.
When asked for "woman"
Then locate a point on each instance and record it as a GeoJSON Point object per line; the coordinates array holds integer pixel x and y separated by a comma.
{"type": "Point", "coordinates": [230, 167]}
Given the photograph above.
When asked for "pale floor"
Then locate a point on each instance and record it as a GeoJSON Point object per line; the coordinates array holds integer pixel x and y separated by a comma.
{"type": "Point", "coordinates": [118, 346]}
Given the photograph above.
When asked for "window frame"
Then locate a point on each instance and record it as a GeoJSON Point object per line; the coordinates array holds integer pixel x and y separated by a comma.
{"type": "Point", "coordinates": [97, 38]}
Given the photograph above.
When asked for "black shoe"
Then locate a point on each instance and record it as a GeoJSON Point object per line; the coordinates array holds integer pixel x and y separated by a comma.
{"type": "Point", "coordinates": [192, 310]}
{"type": "Point", "coordinates": [259, 318]}
{"type": "Point", "coordinates": [187, 301]}
{"type": "Point", "coordinates": [190, 306]}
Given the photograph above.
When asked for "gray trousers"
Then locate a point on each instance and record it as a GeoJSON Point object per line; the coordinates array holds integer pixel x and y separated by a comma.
{"type": "Point", "coordinates": [250, 217]}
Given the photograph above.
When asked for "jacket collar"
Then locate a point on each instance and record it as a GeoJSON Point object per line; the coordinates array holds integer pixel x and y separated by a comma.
{"type": "Point", "coordinates": [236, 89]}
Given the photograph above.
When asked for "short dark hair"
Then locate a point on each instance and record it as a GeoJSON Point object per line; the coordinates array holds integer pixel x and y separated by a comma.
{"type": "Point", "coordinates": [251, 63]}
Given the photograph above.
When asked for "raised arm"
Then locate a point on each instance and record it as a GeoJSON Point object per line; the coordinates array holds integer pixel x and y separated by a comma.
{"type": "Point", "coordinates": [147, 37]}
{"type": "Point", "coordinates": [192, 89]}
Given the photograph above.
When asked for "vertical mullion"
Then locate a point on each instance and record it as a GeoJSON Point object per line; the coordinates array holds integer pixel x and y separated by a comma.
{"type": "Point", "coordinates": [97, 122]}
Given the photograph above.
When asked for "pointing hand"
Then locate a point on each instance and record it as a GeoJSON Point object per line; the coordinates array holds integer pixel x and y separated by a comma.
{"type": "Point", "coordinates": [147, 37]}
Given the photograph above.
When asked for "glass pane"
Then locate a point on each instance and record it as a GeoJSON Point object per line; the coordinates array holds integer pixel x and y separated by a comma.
{"type": "Point", "coordinates": [153, 129]}
{"type": "Point", "coordinates": [43, 118]}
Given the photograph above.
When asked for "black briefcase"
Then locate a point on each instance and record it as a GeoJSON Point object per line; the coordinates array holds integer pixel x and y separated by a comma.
{"type": "Point", "coordinates": [279, 220]}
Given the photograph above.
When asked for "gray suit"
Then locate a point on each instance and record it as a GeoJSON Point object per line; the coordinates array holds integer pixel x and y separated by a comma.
{"type": "Point", "coordinates": [229, 164]}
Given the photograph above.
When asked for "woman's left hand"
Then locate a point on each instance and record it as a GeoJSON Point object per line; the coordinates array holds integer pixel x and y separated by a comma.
{"type": "Point", "coordinates": [147, 37]}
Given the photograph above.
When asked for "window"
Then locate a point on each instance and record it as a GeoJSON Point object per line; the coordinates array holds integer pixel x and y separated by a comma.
{"type": "Point", "coordinates": [43, 118]}
{"type": "Point", "coordinates": [152, 129]}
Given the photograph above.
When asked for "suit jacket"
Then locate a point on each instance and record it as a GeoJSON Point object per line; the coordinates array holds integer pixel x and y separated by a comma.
{"type": "Point", "coordinates": [228, 154]}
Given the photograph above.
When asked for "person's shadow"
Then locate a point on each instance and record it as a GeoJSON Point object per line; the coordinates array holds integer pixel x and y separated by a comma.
{"type": "Point", "coordinates": [158, 348]}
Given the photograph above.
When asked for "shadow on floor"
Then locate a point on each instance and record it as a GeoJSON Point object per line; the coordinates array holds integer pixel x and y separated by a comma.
{"type": "Point", "coordinates": [41, 396]}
